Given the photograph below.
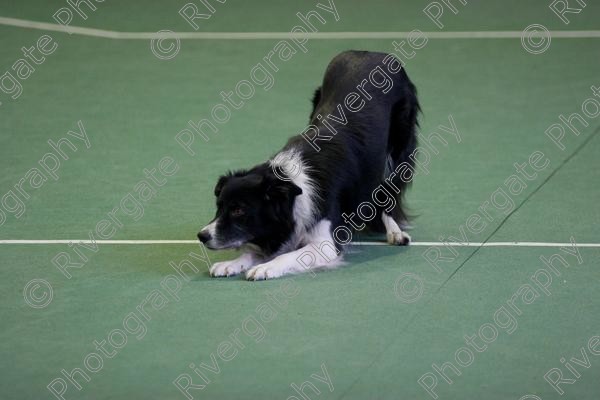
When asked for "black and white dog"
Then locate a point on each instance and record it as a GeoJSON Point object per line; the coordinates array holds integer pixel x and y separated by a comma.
{"type": "Point", "coordinates": [289, 214]}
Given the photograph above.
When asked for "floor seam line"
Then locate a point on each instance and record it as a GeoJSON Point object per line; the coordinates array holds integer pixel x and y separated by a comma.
{"type": "Point", "coordinates": [564, 162]}
{"type": "Point", "coordinates": [433, 296]}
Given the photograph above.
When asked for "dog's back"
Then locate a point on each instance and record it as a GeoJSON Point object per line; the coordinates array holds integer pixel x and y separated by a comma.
{"type": "Point", "coordinates": [366, 115]}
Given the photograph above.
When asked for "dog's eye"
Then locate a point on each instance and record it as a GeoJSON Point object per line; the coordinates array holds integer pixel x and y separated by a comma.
{"type": "Point", "coordinates": [237, 212]}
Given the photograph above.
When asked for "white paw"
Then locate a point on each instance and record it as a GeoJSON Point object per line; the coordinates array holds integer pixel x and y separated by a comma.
{"type": "Point", "coordinates": [263, 272]}
{"type": "Point", "coordinates": [227, 268]}
{"type": "Point", "coordinates": [398, 238]}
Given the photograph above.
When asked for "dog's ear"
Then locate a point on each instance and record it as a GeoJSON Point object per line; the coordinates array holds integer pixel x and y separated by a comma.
{"type": "Point", "coordinates": [220, 183]}
{"type": "Point", "coordinates": [277, 188]}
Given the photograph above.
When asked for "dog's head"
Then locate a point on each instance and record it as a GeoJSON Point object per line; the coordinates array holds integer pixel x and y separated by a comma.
{"type": "Point", "coordinates": [253, 208]}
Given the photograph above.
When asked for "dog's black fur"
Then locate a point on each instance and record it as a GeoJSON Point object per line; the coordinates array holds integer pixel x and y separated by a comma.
{"type": "Point", "coordinates": [266, 203]}
{"type": "Point", "coordinates": [256, 208]}
{"type": "Point", "coordinates": [354, 163]}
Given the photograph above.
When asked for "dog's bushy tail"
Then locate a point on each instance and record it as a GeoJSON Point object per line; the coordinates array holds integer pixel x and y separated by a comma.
{"type": "Point", "coordinates": [402, 142]}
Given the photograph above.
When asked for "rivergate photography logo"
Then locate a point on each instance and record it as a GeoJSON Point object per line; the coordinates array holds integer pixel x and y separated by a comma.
{"type": "Point", "coordinates": [504, 318]}
{"type": "Point", "coordinates": [23, 68]}
{"type": "Point", "coordinates": [536, 38]}
{"type": "Point", "coordinates": [13, 201]}
{"type": "Point", "coordinates": [262, 74]}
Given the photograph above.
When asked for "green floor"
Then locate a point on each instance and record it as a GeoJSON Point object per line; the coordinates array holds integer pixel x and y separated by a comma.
{"type": "Point", "coordinates": [354, 322]}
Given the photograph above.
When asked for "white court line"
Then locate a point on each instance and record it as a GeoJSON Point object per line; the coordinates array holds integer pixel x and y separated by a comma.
{"type": "Point", "coordinates": [76, 30]}
{"type": "Point", "coordinates": [195, 242]}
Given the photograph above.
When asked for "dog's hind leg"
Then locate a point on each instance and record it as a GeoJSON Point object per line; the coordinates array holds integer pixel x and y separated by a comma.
{"type": "Point", "coordinates": [402, 143]}
{"type": "Point", "coordinates": [394, 234]}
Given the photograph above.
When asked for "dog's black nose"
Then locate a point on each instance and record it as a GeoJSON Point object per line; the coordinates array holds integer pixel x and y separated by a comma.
{"type": "Point", "coordinates": [204, 236]}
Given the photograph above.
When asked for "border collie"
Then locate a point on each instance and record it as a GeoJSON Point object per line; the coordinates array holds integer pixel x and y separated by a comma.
{"type": "Point", "coordinates": [289, 214]}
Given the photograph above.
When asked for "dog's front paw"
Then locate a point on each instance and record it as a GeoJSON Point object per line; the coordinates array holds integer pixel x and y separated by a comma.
{"type": "Point", "coordinates": [258, 273]}
{"type": "Point", "coordinates": [226, 268]}
{"type": "Point", "coordinates": [263, 272]}
{"type": "Point", "coordinates": [398, 238]}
